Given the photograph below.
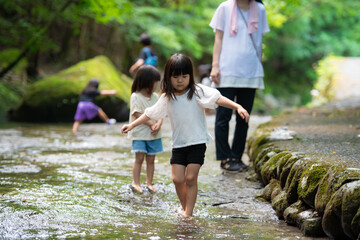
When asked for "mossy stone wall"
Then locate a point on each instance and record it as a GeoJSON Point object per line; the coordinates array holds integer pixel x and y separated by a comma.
{"type": "Point", "coordinates": [320, 198]}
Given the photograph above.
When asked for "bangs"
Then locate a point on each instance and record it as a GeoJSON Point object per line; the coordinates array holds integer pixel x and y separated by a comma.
{"type": "Point", "coordinates": [181, 67]}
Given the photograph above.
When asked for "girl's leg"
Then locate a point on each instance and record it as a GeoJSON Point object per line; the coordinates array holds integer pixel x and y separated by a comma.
{"type": "Point", "coordinates": [76, 126]}
{"type": "Point", "coordinates": [150, 167]}
{"type": "Point", "coordinates": [178, 176]}
{"type": "Point", "coordinates": [103, 115]}
{"type": "Point", "coordinates": [191, 177]}
{"type": "Point", "coordinates": [139, 158]}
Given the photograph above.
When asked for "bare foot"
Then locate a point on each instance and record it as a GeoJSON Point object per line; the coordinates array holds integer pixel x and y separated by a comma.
{"type": "Point", "coordinates": [136, 188]}
{"type": "Point", "coordinates": [152, 188]}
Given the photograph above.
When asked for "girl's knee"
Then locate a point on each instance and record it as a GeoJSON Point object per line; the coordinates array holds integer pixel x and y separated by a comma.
{"type": "Point", "coordinates": [191, 180]}
{"type": "Point", "coordinates": [178, 180]}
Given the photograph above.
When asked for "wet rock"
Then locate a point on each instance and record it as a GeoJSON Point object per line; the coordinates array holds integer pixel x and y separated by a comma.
{"type": "Point", "coordinates": [269, 189]}
{"type": "Point", "coordinates": [310, 180]}
{"type": "Point", "coordinates": [264, 156]}
{"type": "Point", "coordinates": [287, 164]}
{"type": "Point", "coordinates": [292, 182]}
{"type": "Point", "coordinates": [355, 224]}
{"type": "Point", "coordinates": [269, 170]}
{"type": "Point", "coordinates": [331, 182]}
{"type": "Point", "coordinates": [258, 139]}
{"type": "Point", "coordinates": [312, 227]}
{"type": "Point", "coordinates": [331, 222]}
{"type": "Point", "coordinates": [280, 203]}
{"type": "Point", "coordinates": [350, 206]}
{"type": "Point", "coordinates": [291, 212]}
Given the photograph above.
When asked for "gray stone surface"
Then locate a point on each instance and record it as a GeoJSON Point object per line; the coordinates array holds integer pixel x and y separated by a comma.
{"type": "Point", "coordinates": [330, 132]}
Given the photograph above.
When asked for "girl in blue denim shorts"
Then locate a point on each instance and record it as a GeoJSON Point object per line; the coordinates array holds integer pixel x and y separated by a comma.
{"type": "Point", "coordinates": [184, 101]}
{"type": "Point", "coordinates": [146, 139]}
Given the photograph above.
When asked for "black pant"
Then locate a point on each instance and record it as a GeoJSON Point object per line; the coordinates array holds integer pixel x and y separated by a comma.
{"type": "Point", "coordinates": [244, 97]}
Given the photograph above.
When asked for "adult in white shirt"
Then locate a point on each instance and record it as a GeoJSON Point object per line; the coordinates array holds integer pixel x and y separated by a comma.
{"type": "Point", "coordinates": [237, 71]}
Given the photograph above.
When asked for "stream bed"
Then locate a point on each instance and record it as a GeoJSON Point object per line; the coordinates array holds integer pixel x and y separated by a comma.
{"type": "Point", "coordinates": [57, 185]}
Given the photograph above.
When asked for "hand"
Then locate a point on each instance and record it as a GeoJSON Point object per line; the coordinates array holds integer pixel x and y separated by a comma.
{"type": "Point", "coordinates": [155, 128]}
{"type": "Point", "coordinates": [126, 128]}
{"type": "Point", "coordinates": [243, 113]}
{"type": "Point", "coordinates": [215, 75]}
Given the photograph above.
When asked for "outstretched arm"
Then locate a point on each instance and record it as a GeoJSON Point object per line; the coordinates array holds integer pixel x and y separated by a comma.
{"type": "Point", "coordinates": [136, 65]}
{"type": "Point", "coordinates": [141, 120]}
{"type": "Point", "coordinates": [225, 102]}
{"type": "Point", "coordinates": [108, 92]}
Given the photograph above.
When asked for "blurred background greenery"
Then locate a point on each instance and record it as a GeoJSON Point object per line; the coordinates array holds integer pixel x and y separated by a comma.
{"type": "Point", "coordinates": [39, 38]}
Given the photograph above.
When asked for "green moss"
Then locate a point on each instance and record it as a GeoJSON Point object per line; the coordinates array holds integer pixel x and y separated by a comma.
{"type": "Point", "coordinates": [310, 180]}
{"type": "Point", "coordinates": [8, 100]}
{"type": "Point", "coordinates": [292, 181]}
{"type": "Point", "coordinates": [331, 182]}
{"type": "Point", "coordinates": [54, 98]}
{"type": "Point", "coordinates": [7, 56]}
{"type": "Point", "coordinates": [268, 171]}
{"type": "Point", "coordinates": [287, 167]}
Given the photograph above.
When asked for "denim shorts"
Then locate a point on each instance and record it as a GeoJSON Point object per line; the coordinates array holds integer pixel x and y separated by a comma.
{"type": "Point", "coordinates": [189, 154]}
{"type": "Point", "coordinates": [150, 147]}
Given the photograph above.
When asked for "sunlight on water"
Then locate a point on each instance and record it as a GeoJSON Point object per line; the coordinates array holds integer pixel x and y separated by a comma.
{"type": "Point", "coordinates": [57, 185]}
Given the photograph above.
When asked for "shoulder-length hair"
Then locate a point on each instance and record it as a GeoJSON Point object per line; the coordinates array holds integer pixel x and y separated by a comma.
{"type": "Point", "coordinates": [178, 64]}
{"type": "Point", "coordinates": [93, 85]}
{"type": "Point", "coordinates": [145, 78]}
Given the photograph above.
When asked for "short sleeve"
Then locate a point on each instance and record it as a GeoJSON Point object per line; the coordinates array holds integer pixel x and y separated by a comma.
{"type": "Point", "coordinates": [143, 54]}
{"type": "Point", "coordinates": [159, 109]}
{"type": "Point", "coordinates": [265, 24]}
{"type": "Point", "coordinates": [218, 20]}
{"type": "Point", "coordinates": [207, 96]}
{"type": "Point", "coordinates": [135, 105]}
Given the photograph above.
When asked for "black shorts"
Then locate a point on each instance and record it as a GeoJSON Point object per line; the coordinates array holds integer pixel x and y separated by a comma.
{"type": "Point", "coordinates": [189, 154]}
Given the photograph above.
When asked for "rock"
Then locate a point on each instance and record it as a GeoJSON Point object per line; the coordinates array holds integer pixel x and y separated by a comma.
{"type": "Point", "coordinates": [269, 189]}
{"type": "Point", "coordinates": [54, 98]}
{"type": "Point", "coordinates": [291, 212]}
{"type": "Point", "coordinates": [292, 182]}
{"type": "Point", "coordinates": [280, 203]}
{"type": "Point", "coordinates": [310, 180]}
{"type": "Point", "coordinates": [269, 170]}
{"type": "Point", "coordinates": [287, 164]}
{"type": "Point", "coordinates": [331, 222]}
{"type": "Point", "coordinates": [331, 182]}
{"type": "Point", "coordinates": [312, 227]}
{"type": "Point", "coordinates": [350, 206]}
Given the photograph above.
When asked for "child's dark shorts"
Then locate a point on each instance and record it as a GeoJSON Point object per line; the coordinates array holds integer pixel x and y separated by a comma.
{"type": "Point", "coordinates": [189, 154]}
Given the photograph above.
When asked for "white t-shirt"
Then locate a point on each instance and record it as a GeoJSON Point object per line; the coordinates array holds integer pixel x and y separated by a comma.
{"type": "Point", "coordinates": [186, 116]}
{"type": "Point", "coordinates": [239, 63]}
{"type": "Point", "coordinates": [138, 103]}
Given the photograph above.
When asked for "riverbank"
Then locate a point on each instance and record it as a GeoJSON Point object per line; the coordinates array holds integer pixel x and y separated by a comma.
{"type": "Point", "coordinates": [309, 160]}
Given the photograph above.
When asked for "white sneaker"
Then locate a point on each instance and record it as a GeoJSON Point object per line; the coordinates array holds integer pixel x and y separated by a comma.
{"type": "Point", "coordinates": [111, 121]}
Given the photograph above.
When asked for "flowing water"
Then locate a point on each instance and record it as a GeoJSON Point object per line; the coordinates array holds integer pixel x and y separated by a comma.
{"type": "Point", "coordinates": [56, 185]}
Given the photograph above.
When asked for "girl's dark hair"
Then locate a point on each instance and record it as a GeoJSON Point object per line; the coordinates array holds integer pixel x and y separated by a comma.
{"type": "Point", "coordinates": [178, 64]}
{"type": "Point", "coordinates": [145, 39]}
{"type": "Point", "coordinates": [259, 1]}
{"type": "Point", "coordinates": [93, 85]}
{"type": "Point", "coordinates": [145, 78]}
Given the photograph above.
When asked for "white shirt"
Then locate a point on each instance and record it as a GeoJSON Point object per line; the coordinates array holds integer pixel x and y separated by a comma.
{"type": "Point", "coordinates": [186, 116]}
{"type": "Point", "coordinates": [239, 63]}
{"type": "Point", "coordinates": [138, 103]}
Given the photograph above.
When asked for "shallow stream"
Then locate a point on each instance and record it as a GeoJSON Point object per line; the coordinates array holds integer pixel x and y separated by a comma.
{"type": "Point", "coordinates": [56, 185]}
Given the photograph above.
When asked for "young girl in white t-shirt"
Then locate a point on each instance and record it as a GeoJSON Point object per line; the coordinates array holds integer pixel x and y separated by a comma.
{"type": "Point", "coordinates": [184, 102]}
{"type": "Point", "coordinates": [146, 139]}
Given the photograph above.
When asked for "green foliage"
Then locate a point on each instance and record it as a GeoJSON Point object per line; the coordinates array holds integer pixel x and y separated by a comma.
{"type": "Point", "coordinates": [302, 33]}
{"type": "Point", "coordinates": [8, 100]}
{"type": "Point", "coordinates": [71, 81]}
{"type": "Point", "coordinates": [10, 55]}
